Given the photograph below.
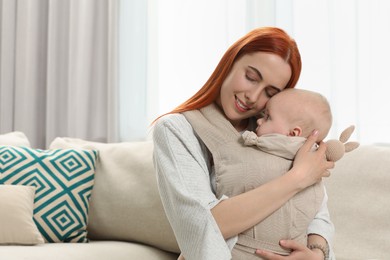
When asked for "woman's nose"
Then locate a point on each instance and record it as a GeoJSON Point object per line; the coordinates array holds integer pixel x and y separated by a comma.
{"type": "Point", "coordinates": [254, 95]}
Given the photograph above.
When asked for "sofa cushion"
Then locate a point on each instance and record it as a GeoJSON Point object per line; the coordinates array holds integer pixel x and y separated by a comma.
{"type": "Point", "coordinates": [359, 203]}
{"type": "Point", "coordinates": [16, 218]}
{"type": "Point", "coordinates": [63, 179]}
{"type": "Point", "coordinates": [14, 138]}
{"type": "Point", "coordinates": [95, 250]}
{"type": "Point", "coordinates": [125, 203]}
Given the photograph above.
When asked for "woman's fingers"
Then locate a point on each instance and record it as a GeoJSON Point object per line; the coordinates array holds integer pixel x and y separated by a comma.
{"type": "Point", "coordinates": [293, 245]}
{"type": "Point", "coordinates": [268, 255]}
{"type": "Point", "coordinates": [310, 165]}
{"type": "Point", "coordinates": [299, 251]}
{"type": "Point", "coordinates": [326, 173]}
{"type": "Point", "coordinates": [311, 140]}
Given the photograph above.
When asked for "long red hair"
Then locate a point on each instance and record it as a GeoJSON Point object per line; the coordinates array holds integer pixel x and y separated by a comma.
{"type": "Point", "coordinates": [264, 39]}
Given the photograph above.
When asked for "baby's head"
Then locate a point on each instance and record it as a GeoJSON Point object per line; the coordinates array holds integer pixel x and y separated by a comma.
{"type": "Point", "coordinates": [296, 112]}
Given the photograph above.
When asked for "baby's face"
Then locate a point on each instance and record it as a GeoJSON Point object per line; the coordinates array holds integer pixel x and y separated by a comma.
{"type": "Point", "coordinates": [276, 119]}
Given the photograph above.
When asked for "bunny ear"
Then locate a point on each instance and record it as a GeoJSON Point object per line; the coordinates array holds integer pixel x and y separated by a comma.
{"type": "Point", "coordinates": [346, 134]}
{"type": "Point", "coordinates": [351, 146]}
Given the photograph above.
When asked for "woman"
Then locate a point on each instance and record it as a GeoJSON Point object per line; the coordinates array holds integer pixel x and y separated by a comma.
{"type": "Point", "coordinates": [255, 68]}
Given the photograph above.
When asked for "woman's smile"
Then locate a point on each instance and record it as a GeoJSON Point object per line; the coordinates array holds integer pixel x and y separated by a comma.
{"type": "Point", "coordinates": [240, 105]}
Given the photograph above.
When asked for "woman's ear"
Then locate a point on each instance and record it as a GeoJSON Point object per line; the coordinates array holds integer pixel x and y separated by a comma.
{"type": "Point", "coordinates": [296, 131]}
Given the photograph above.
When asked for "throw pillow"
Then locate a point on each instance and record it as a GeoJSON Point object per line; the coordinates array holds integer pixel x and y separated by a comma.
{"type": "Point", "coordinates": [63, 179]}
{"type": "Point", "coordinates": [14, 138]}
{"type": "Point", "coordinates": [125, 203]}
{"type": "Point", "coordinates": [16, 217]}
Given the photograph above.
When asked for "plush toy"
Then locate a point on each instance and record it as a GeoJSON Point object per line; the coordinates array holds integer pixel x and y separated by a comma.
{"type": "Point", "coordinates": [337, 148]}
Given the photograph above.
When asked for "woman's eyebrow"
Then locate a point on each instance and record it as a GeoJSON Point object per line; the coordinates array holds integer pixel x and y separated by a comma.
{"type": "Point", "coordinates": [261, 77]}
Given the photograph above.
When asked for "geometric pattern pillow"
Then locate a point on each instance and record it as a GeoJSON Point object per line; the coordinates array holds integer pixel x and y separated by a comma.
{"type": "Point", "coordinates": [63, 179]}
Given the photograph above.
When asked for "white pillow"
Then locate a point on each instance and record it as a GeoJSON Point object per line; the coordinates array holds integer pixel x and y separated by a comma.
{"type": "Point", "coordinates": [16, 218]}
{"type": "Point", "coordinates": [14, 138]}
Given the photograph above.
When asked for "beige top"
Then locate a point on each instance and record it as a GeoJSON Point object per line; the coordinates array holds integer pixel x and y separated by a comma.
{"type": "Point", "coordinates": [240, 168]}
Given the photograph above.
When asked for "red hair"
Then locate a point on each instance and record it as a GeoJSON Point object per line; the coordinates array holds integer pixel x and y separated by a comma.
{"type": "Point", "coordinates": [264, 39]}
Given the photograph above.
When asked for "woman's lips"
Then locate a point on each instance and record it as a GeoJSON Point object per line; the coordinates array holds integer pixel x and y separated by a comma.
{"type": "Point", "coordinates": [241, 106]}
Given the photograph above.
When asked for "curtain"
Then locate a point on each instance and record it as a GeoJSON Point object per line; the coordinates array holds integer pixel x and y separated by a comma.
{"type": "Point", "coordinates": [58, 69]}
{"type": "Point", "coordinates": [61, 73]}
{"type": "Point", "coordinates": [344, 51]}
{"type": "Point", "coordinates": [343, 46]}
{"type": "Point", "coordinates": [134, 78]}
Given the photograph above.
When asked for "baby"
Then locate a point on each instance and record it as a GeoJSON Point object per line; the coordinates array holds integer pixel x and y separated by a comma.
{"type": "Point", "coordinates": [293, 113]}
{"type": "Point", "coordinates": [296, 112]}
{"type": "Point", "coordinates": [289, 118]}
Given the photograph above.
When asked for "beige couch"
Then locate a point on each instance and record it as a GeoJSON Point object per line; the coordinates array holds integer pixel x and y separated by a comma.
{"type": "Point", "coordinates": [359, 203]}
{"type": "Point", "coordinates": [126, 217]}
{"type": "Point", "coordinates": [127, 221]}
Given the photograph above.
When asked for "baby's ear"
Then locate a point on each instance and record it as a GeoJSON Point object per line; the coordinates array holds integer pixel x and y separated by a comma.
{"type": "Point", "coordinates": [296, 131]}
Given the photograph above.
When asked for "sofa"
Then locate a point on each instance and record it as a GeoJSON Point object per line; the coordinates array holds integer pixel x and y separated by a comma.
{"type": "Point", "coordinates": [125, 218]}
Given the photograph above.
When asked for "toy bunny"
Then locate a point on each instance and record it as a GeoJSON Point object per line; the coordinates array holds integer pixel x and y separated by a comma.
{"type": "Point", "coordinates": [337, 148]}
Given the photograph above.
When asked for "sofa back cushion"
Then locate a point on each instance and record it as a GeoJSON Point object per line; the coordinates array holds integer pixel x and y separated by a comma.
{"type": "Point", "coordinates": [125, 203]}
{"type": "Point", "coordinates": [14, 138]}
{"type": "Point", "coordinates": [359, 203]}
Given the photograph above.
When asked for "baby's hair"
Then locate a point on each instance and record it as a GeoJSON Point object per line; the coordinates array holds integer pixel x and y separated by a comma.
{"type": "Point", "coordinates": [314, 112]}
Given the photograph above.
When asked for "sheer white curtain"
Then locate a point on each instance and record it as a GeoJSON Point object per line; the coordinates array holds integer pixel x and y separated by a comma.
{"type": "Point", "coordinates": [168, 49]}
{"type": "Point", "coordinates": [58, 61]}
{"type": "Point", "coordinates": [133, 73]}
{"type": "Point", "coordinates": [344, 50]}
{"type": "Point", "coordinates": [343, 45]}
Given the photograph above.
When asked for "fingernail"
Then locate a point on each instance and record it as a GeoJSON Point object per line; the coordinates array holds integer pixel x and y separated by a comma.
{"type": "Point", "coordinates": [315, 132]}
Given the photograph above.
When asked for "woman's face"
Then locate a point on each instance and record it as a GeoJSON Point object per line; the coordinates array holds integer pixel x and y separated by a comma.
{"type": "Point", "coordinates": [252, 81]}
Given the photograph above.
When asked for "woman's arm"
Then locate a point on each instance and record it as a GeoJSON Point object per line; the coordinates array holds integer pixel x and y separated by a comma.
{"type": "Point", "coordinates": [322, 228]}
{"type": "Point", "coordinates": [243, 211]}
{"type": "Point", "coordinates": [184, 183]}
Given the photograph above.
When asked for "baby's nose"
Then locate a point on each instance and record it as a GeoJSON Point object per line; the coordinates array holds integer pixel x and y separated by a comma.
{"type": "Point", "coordinates": [259, 121]}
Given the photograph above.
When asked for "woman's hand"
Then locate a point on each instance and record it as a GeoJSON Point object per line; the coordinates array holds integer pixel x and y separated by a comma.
{"type": "Point", "coordinates": [310, 166]}
{"type": "Point", "coordinates": [299, 252]}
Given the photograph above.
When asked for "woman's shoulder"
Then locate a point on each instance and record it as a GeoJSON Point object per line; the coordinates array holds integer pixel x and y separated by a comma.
{"type": "Point", "coordinates": [175, 119]}
{"type": "Point", "coordinates": [173, 123]}
{"type": "Point", "coordinates": [174, 128]}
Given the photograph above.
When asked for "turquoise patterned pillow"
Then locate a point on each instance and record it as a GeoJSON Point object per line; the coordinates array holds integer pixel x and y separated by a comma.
{"type": "Point", "coordinates": [63, 179]}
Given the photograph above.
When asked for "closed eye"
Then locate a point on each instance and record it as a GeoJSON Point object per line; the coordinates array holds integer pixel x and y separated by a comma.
{"type": "Point", "coordinates": [271, 91]}
{"type": "Point", "coordinates": [251, 79]}
{"type": "Point", "coordinates": [266, 115]}
{"type": "Point", "coordinates": [261, 114]}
